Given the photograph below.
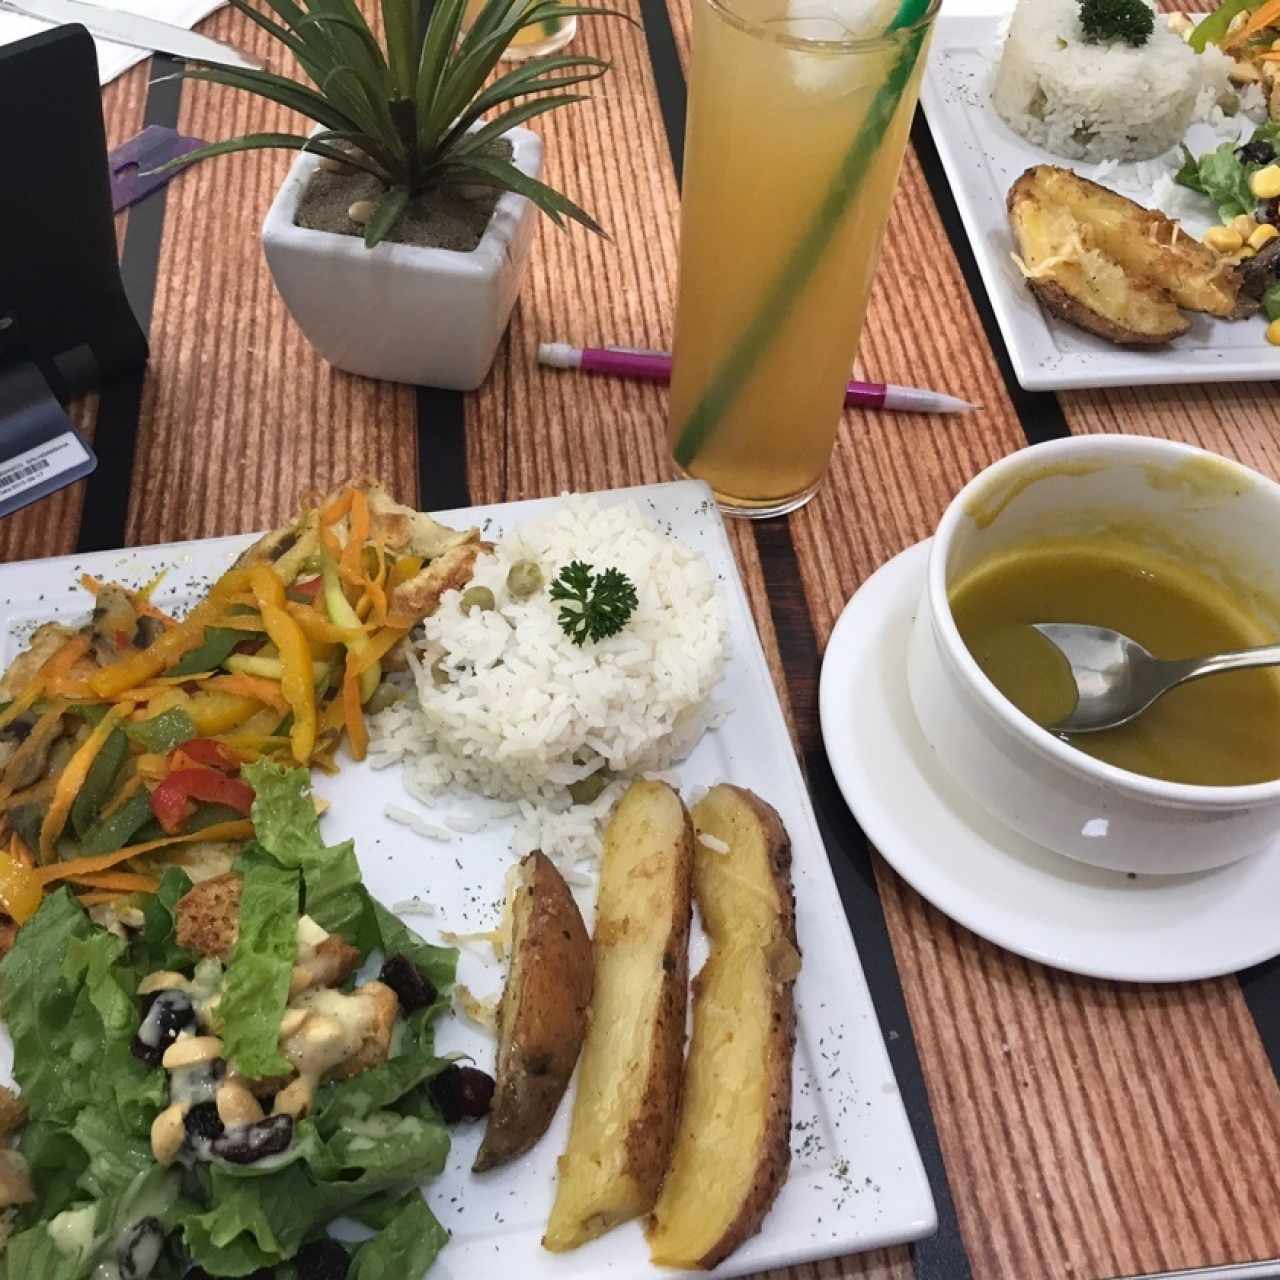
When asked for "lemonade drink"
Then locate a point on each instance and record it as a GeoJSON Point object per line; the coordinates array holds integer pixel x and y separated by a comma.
{"type": "Point", "coordinates": [531, 42]}
{"type": "Point", "coordinates": [798, 119]}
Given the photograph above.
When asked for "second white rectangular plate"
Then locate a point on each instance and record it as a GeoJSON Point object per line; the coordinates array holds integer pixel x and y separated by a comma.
{"type": "Point", "coordinates": [856, 1177]}
{"type": "Point", "coordinates": [983, 157]}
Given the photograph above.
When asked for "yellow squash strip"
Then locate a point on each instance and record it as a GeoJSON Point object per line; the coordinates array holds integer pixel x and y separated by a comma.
{"type": "Point", "coordinates": [239, 622]}
{"type": "Point", "coordinates": [139, 668]}
{"type": "Point", "coordinates": [377, 648]}
{"type": "Point", "coordinates": [353, 712]}
{"type": "Point", "coordinates": [241, 829]}
{"type": "Point", "coordinates": [405, 567]}
{"type": "Point", "coordinates": [216, 711]}
{"type": "Point", "coordinates": [20, 892]}
{"type": "Point", "coordinates": [96, 899]}
{"type": "Point", "coordinates": [267, 691]}
{"type": "Point", "coordinates": [298, 682]}
{"type": "Point", "coordinates": [120, 881]}
{"type": "Point", "coordinates": [72, 778]}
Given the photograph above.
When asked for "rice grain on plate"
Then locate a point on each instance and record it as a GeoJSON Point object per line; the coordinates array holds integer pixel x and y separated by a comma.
{"type": "Point", "coordinates": [1094, 102]}
{"type": "Point", "coordinates": [510, 708]}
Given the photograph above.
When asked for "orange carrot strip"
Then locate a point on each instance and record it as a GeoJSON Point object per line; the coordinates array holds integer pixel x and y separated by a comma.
{"type": "Point", "coordinates": [353, 712]}
{"type": "Point", "coordinates": [240, 829]}
{"type": "Point", "coordinates": [124, 881]}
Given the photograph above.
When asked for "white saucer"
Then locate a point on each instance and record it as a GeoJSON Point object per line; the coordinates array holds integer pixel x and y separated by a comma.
{"type": "Point", "coordinates": [1009, 890]}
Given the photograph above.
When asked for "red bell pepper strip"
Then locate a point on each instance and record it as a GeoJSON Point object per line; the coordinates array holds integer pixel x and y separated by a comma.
{"type": "Point", "coordinates": [171, 801]}
{"type": "Point", "coordinates": [210, 753]}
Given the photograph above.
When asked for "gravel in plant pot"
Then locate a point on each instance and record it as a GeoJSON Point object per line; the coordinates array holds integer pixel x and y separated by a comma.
{"type": "Point", "coordinates": [399, 237]}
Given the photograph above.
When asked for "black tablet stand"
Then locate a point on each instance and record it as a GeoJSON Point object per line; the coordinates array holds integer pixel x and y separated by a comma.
{"type": "Point", "coordinates": [66, 326]}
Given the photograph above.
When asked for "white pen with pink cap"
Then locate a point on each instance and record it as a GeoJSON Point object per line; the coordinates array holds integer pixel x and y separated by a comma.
{"type": "Point", "coordinates": [655, 366]}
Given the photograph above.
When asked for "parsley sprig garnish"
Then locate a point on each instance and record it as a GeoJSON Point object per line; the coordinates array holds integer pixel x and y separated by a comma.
{"type": "Point", "coordinates": [596, 605]}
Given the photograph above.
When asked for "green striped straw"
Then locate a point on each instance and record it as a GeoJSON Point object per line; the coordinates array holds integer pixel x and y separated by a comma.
{"type": "Point", "coordinates": [791, 280]}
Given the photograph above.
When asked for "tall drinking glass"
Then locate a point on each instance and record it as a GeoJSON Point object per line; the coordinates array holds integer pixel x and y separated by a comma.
{"type": "Point", "coordinates": [799, 112]}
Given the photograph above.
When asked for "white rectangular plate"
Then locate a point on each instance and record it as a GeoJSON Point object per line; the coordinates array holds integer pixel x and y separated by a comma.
{"type": "Point", "coordinates": [982, 157]}
{"type": "Point", "coordinates": [856, 1177]}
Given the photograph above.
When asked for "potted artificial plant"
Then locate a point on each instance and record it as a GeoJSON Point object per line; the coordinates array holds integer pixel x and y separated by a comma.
{"type": "Point", "coordinates": [400, 235]}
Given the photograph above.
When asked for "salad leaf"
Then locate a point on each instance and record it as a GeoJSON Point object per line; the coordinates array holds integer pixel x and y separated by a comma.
{"type": "Point", "coordinates": [1189, 174]}
{"type": "Point", "coordinates": [157, 947]}
{"type": "Point", "coordinates": [67, 996]}
{"type": "Point", "coordinates": [260, 1217]}
{"type": "Point", "coordinates": [288, 828]}
{"type": "Point", "coordinates": [1225, 180]}
{"type": "Point", "coordinates": [256, 987]}
{"type": "Point", "coordinates": [1271, 301]}
{"type": "Point", "coordinates": [406, 1247]}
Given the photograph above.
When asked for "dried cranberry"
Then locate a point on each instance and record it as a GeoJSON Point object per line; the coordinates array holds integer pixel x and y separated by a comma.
{"type": "Point", "coordinates": [164, 1015]}
{"type": "Point", "coordinates": [199, 1273]}
{"type": "Point", "coordinates": [412, 989]}
{"type": "Point", "coordinates": [202, 1122]}
{"type": "Point", "coordinates": [1270, 212]}
{"type": "Point", "coordinates": [462, 1093]}
{"type": "Point", "coordinates": [1259, 151]}
{"type": "Point", "coordinates": [322, 1260]}
{"type": "Point", "coordinates": [249, 1143]}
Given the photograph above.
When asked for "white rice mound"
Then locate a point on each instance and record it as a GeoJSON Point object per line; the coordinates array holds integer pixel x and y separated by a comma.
{"type": "Point", "coordinates": [1095, 102]}
{"type": "Point", "coordinates": [526, 712]}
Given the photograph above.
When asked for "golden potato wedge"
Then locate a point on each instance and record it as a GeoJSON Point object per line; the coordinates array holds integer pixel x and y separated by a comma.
{"type": "Point", "coordinates": [624, 1113]}
{"type": "Point", "coordinates": [733, 1145]}
{"type": "Point", "coordinates": [1147, 245]}
{"type": "Point", "coordinates": [1078, 283]}
{"type": "Point", "coordinates": [543, 1014]}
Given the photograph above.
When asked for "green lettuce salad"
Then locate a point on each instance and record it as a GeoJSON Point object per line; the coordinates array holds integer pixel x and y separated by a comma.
{"type": "Point", "coordinates": [105, 1208]}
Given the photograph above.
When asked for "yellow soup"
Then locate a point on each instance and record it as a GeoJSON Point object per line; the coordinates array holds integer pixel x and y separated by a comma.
{"type": "Point", "coordinates": [1223, 731]}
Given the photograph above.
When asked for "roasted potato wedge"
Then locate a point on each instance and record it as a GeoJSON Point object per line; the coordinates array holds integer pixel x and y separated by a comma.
{"type": "Point", "coordinates": [624, 1113]}
{"type": "Point", "coordinates": [1107, 265]}
{"type": "Point", "coordinates": [733, 1145]}
{"type": "Point", "coordinates": [543, 1014]}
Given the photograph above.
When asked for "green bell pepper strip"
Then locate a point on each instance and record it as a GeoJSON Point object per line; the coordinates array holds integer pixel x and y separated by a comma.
{"type": "Point", "coordinates": [213, 651]}
{"type": "Point", "coordinates": [1213, 29]}
{"type": "Point", "coordinates": [162, 733]}
{"type": "Point", "coordinates": [97, 783]}
{"type": "Point", "coordinates": [110, 834]}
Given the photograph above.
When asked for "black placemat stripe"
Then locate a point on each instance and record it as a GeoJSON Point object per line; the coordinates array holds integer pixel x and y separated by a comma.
{"type": "Point", "coordinates": [442, 450]}
{"type": "Point", "coordinates": [942, 1256]}
{"type": "Point", "coordinates": [668, 77]}
{"type": "Point", "coordinates": [1039, 411]}
{"type": "Point", "coordinates": [106, 497]}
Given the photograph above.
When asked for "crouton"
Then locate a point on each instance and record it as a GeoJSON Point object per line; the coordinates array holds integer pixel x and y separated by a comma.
{"type": "Point", "coordinates": [375, 1044]}
{"type": "Point", "coordinates": [13, 1112]}
{"type": "Point", "coordinates": [208, 916]}
{"type": "Point", "coordinates": [329, 965]}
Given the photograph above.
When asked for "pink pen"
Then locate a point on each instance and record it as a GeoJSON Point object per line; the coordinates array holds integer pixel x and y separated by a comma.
{"type": "Point", "coordinates": [655, 366]}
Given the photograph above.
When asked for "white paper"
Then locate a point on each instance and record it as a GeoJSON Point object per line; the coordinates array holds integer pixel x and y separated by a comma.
{"type": "Point", "coordinates": [113, 59]}
{"type": "Point", "coordinates": [43, 463]}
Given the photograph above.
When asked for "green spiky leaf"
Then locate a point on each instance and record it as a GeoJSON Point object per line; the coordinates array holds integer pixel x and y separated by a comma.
{"type": "Point", "coordinates": [391, 204]}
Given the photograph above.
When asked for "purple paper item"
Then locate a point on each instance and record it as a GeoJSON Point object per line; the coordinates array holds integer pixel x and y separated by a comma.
{"type": "Point", "coordinates": [154, 146]}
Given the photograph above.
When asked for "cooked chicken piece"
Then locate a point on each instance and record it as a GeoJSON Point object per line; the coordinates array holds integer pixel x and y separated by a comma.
{"type": "Point", "coordinates": [421, 594]}
{"type": "Point", "coordinates": [45, 642]}
{"type": "Point", "coordinates": [411, 532]}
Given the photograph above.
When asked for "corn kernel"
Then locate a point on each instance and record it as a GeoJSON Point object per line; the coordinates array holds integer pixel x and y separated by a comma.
{"type": "Point", "coordinates": [1275, 44]}
{"type": "Point", "coordinates": [1223, 239]}
{"type": "Point", "coordinates": [1244, 254]}
{"type": "Point", "coordinates": [1244, 224]}
{"type": "Point", "coordinates": [1265, 184]}
{"type": "Point", "coordinates": [1264, 233]}
{"type": "Point", "coordinates": [1273, 333]}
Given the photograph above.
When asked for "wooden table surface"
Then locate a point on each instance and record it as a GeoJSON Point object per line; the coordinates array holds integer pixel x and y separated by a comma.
{"type": "Point", "coordinates": [1071, 1128]}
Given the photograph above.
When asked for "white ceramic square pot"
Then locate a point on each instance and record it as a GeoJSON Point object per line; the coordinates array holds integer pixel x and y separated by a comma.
{"type": "Point", "coordinates": [432, 317]}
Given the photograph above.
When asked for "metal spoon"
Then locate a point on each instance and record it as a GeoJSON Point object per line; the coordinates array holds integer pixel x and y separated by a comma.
{"type": "Point", "coordinates": [1117, 679]}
